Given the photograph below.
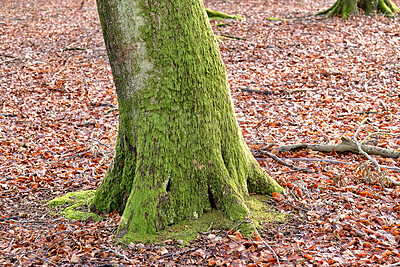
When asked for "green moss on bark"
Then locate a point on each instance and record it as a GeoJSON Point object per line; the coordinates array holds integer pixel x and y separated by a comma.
{"type": "Point", "coordinates": [189, 229]}
{"type": "Point", "coordinates": [179, 151]}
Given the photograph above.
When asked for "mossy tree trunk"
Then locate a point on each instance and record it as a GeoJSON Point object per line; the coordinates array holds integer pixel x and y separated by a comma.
{"type": "Point", "coordinates": [347, 7]}
{"type": "Point", "coordinates": [179, 150]}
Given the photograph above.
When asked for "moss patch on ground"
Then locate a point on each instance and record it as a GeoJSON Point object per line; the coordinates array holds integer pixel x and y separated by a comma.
{"type": "Point", "coordinates": [74, 205]}
{"type": "Point", "coordinates": [187, 230]}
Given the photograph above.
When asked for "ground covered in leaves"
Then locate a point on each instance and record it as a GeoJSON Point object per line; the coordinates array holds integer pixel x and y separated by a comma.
{"type": "Point", "coordinates": [295, 79]}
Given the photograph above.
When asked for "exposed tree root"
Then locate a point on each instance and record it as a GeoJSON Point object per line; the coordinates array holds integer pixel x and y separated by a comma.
{"type": "Point", "coordinates": [345, 8]}
{"type": "Point", "coordinates": [212, 14]}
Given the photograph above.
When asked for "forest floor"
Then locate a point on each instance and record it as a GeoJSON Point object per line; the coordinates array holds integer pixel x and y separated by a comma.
{"type": "Point", "coordinates": [303, 79]}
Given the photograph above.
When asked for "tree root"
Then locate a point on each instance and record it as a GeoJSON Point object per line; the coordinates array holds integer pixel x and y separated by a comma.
{"type": "Point", "coordinates": [212, 14]}
{"type": "Point", "coordinates": [387, 7]}
{"type": "Point", "coordinates": [345, 8]}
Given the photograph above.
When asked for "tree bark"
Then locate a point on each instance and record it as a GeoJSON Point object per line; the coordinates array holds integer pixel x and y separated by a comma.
{"type": "Point", "coordinates": [180, 151]}
{"type": "Point", "coordinates": [345, 8]}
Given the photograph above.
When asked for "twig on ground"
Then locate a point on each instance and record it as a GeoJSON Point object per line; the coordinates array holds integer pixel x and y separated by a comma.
{"type": "Point", "coordinates": [99, 142]}
{"type": "Point", "coordinates": [346, 145]}
{"type": "Point", "coordinates": [290, 204]}
{"type": "Point", "coordinates": [177, 253]}
{"type": "Point", "coordinates": [262, 240]}
{"type": "Point", "coordinates": [248, 220]}
{"type": "Point", "coordinates": [362, 112]}
{"type": "Point", "coordinates": [393, 168]}
{"type": "Point", "coordinates": [76, 155]}
{"type": "Point", "coordinates": [46, 261]}
{"type": "Point", "coordinates": [319, 160]}
{"type": "Point", "coordinates": [288, 91]}
{"type": "Point", "coordinates": [285, 163]}
{"type": "Point", "coordinates": [118, 253]}
{"type": "Point", "coordinates": [231, 37]}
{"type": "Point", "coordinates": [392, 265]}
{"type": "Point", "coordinates": [8, 115]}
{"type": "Point", "coordinates": [236, 226]}
{"type": "Point", "coordinates": [10, 218]}
{"type": "Point", "coordinates": [111, 110]}
{"type": "Point", "coordinates": [10, 59]}
{"type": "Point", "coordinates": [101, 104]}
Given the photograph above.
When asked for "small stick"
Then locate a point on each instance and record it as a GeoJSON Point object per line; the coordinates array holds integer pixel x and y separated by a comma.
{"type": "Point", "coordinates": [118, 253]}
{"type": "Point", "coordinates": [177, 253]}
{"type": "Point", "coordinates": [262, 240]}
{"type": "Point", "coordinates": [392, 265]}
{"type": "Point", "coordinates": [248, 220]}
{"type": "Point", "coordinates": [286, 164]}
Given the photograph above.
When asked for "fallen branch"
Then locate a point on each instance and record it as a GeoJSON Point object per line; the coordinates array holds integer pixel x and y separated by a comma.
{"type": "Point", "coordinates": [288, 203]}
{"type": "Point", "coordinates": [262, 240]}
{"type": "Point", "coordinates": [101, 104]}
{"type": "Point", "coordinates": [284, 162]}
{"type": "Point", "coordinates": [360, 113]}
{"type": "Point", "coordinates": [392, 265]}
{"type": "Point", "coordinates": [81, 154]}
{"type": "Point", "coordinates": [118, 253]}
{"type": "Point", "coordinates": [346, 145]}
{"type": "Point", "coordinates": [177, 253]}
{"type": "Point", "coordinates": [10, 59]}
{"type": "Point", "coordinates": [10, 218]}
{"type": "Point", "coordinates": [46, 260]}
{"type": "Point", "coordinates": [230, 36]}
{"type": "Point", "coordinates": [8, 115]}
{"type": "Point", "coordinates": [318, 160]}
{"type": "Point", "coordinates": [74, 48]}
{"type": "Point", "coordinates": [260, 91]}
{"type": "Point", "coordinates": [393, 168]}
{"type": "Point", "coordinates": [248, 220]}
{"type": "Point", "coordinates": [288, 91]}
{"type": "Point", "coordinates": [364, 153]}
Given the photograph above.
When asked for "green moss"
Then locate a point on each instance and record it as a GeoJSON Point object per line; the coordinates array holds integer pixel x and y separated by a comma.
{"type": "Point", "coordinates": [276, 19]}
{"type": "Point", "coordinates": [347, 7]}
{"type": "Point", "coordinates": [212, 14]}
{"type": "Point", "coordinates": [179, 144]}
{"type": "Point", "coordinates": [262, 213]}
{"type": "Point", "coordinates": [188, 230]}
{"type": "Point", "coordinates": [74, 205]}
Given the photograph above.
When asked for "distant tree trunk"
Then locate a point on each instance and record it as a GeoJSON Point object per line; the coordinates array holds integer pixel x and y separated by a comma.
{"type": "Point", "coordinates": [347, 7]}
{"type": "Point", "coordinates": [180, 151]}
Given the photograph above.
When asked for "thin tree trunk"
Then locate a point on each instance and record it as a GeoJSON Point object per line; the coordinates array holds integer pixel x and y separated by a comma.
{"type": "Point", "coordinates": [180, 151]}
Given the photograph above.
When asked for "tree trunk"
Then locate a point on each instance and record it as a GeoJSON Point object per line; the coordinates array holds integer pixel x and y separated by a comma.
{"type": "Point", "coordinates": [180, 151]}
{"type": "Point", "coordinates": [347, 7]}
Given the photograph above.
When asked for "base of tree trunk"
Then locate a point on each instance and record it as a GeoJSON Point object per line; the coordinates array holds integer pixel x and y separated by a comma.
{"type": "Point", "coordinates": [180, 151]}
{"type": "Point", "coordinates": [345, 8]}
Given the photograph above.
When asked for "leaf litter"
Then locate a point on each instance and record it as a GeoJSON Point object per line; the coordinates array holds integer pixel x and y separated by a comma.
{"type": "Point", "coordinates": [299, 79]}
